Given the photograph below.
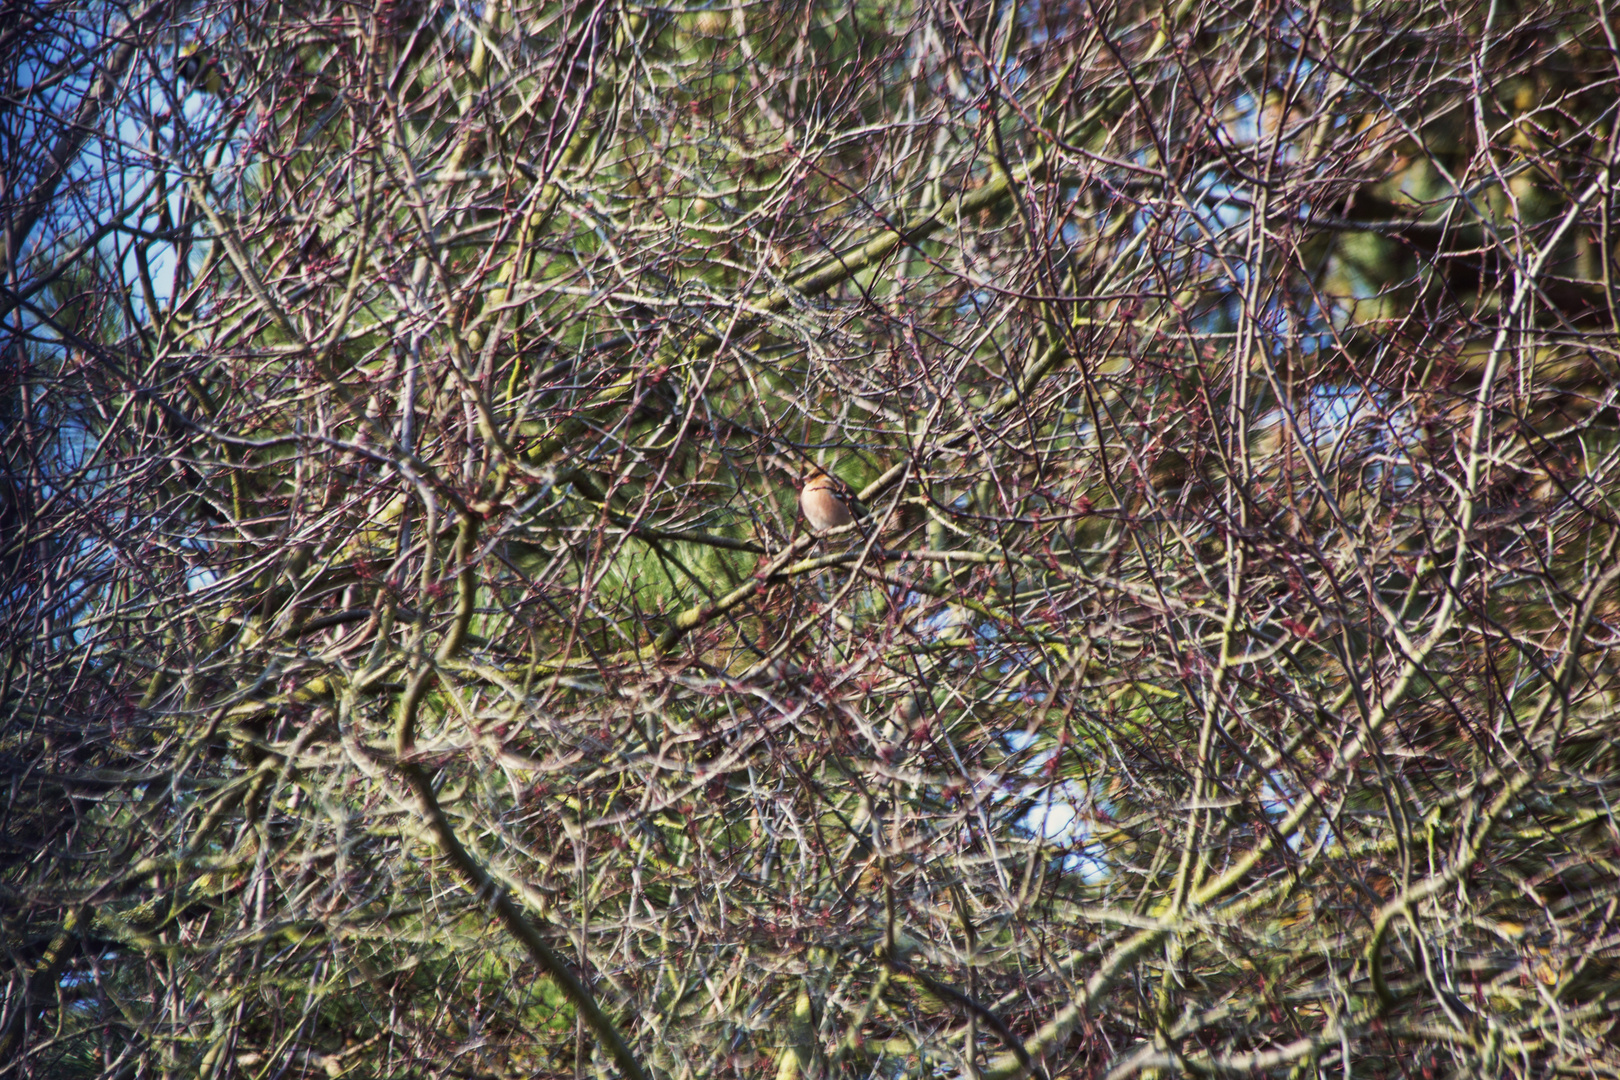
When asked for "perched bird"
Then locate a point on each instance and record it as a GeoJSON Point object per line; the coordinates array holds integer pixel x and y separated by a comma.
{"type": "Point", "coordinates": [826, 503]}
{"type": "Point", "coordinates": [200, 70]}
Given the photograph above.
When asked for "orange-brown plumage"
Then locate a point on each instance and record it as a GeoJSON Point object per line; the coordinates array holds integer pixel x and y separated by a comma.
{"type": "Point", "coordinates": [825, 503]}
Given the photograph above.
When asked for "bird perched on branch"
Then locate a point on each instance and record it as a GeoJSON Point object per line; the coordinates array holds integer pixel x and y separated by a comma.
{"type": "Point", "coordinates": [826, 502]}
{"type": "Point", "coordinates": [200, 70]}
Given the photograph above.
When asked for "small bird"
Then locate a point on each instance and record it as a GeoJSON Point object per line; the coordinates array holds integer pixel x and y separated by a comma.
{"type": "Point", "coordinates": [200, 70]}
{"type": "Point", "coordinates": [826, 503]}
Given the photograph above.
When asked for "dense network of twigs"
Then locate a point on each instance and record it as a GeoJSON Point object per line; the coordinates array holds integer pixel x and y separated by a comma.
{"type": "Point", "coordinates": [414, 663]}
